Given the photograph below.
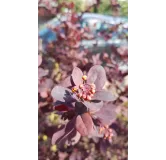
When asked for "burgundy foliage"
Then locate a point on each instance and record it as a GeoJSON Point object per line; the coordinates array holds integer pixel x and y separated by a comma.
{"type": "Point", "coordinates": [83, 96]}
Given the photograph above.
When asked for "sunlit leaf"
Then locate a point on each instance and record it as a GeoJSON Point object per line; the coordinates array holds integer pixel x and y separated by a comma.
{"type": "Point", "coordinates": [66, 82]}
{"type": "Point", "coordinates": [87, 120]}
{"type": "Point", "coordinates": [107, 113]}
{"type": "Point", "coordinates": [61, 94]}
{"type": "Point", "coordinates": [77, 76]}
{"type": "Point", "coordinates": [97, 76]}
{"type": "Point", "coordinates": [93, 106]}
{"type": "Point", "coordinates": [80, 126]}
{"type": "Point", "coordinates": [45, 85]}
{"type": "Point", "coordinates": [67, 135]}
{"type": "Point", "coordinates": [104, 96]}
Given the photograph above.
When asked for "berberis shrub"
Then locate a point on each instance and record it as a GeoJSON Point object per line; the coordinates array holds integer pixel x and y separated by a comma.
{"type": "Point", "coordinates": [83, 96]}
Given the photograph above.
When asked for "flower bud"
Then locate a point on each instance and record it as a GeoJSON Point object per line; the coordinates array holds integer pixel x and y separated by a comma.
{"type": "Point", "coordinates": [79, 95]}
{"type": "Point", "coordinates": [91, 95]}
{"type": "Point", "coordinates": [81, 86]}
{"type": "Point", "coordinates": [74, 89]}
{"type": "Point", "coordinates": [101, 129]}
{"type": "Point", "coordinates": [106, 126]}
{"type": "Point", "coordinates": [84, 96]}
{"type": "Point", "coordinates": [93, 91]}
{"type": "Point", "coordinates": [84, 77]}
{"type": "Point", "coordinates": [89, 98]}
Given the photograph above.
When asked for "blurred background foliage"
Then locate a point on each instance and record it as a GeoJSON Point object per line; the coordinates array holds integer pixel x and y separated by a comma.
{"type": "Point", "coordinates": [103, 8]}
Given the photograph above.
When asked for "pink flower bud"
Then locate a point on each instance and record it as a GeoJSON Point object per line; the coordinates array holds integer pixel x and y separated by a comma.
{"type": "Point", "coordinates": [84, 77]}
{"type": "Point", "coordinates": [84, 96]}
{"type": "Point", "coordinates": [93, 91]}
{"type": "Point", "coordinates": [79, 95]}
{"type": "Point", "coordinates": [81, 86]}
{"type": "Point", "coordinates": [89, 98]}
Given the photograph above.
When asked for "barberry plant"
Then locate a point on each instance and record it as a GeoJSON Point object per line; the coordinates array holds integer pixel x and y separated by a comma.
{"type": "Point", "coordinates": [92, 105]}
{"type": "Point", "coordinates": [83, 95]}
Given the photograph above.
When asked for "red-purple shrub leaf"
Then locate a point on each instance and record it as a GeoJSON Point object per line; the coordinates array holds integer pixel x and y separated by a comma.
{"type": "Point", "coordinates": [97, 76]}
{"type": "Point", "coordinates": [61, 94]}
{"type": "Point", "coordinates": [76, 138]}
{"type": "Point", "coordinates": [45, 85]}
{"type": "Point", "coordinates": [57, 135]}
{"type": "Point", "coordinates": [77, 76]}
{"type": "Point", "coordinates": [92, 106]}
{"type": "Point", "coordinates": [107, 113]}
{"type": "Point", "coordinates": [67, 135]}
{"type": "Point", "coordinates": [87, 120]}
{"type": "Point", "coordinates": [61, 107]}
{"type": "Point", "coordinates": [70, 138]}
{"type": "Point", "coordinates": [104, 96]}
{"type": "Point", "coordinates": [80, 126]}
{"type": "Point", "coordinates": [70, 114]}
{"type": "Point", "coordinates": [80, 108]}
{"type": "Point", "coordinates": [39, 60]}
{"type": "Point", "coordinates": [96, 59]}
{"type": "Point", "coordinates": [42, 72]}
{"type": "Point", "coordinates": [104, 144]}
{"type": "Point", "coordinates": [76, 155]}
{"type": "Point", "coordinates": [66, 82]}
{"type": "Point", "coordinates": [62, 155]}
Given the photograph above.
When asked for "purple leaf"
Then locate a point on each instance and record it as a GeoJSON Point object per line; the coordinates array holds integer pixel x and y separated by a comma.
{"type": "Point", "coordinates": [67, 135]}
{"type": "Point", "coordinates": [80, 126]}
{"type": "Point", "coordinates": [67, 82]}
{"type": "Point", "coordinates": [86, 117]}
{"type": "Point", "coordinates": [62, 155]}
{"type": "Point", "coordinates": [104, 96]}
{"type": "Point", "coordinates": [76, 155]}
{"type": "Point", "coordinates": [84, 124]}
{"type": "Point", "coordinates": [104, 144]}
{"type": "Point", "coordinates": [76, 138]}
{"type": "Point", "coordinates": [57, 135]}
{"type": "Point", "coordinates": [39, 60]}
{"type": "Point", "coordinates": [45, 85]}
{"type": "Point", "coordinates": [97, 76]}
{"type": "Point", "coordinates": [107, 113]}
{"type": "Point", "coordinates": [93, 107]}
{"type": "Point", "coordinates": [80, 108]}
{"type": "Point", "coordinates": [42, 72]}
{"type": "Point", "coordinates": [96, 59]}
{"type": "Point", "coordinates": [73, 156]}
{"type": "Point", "coordinates": [61, 94]}
{"type": "Point", "coordinates": [77, 76]}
